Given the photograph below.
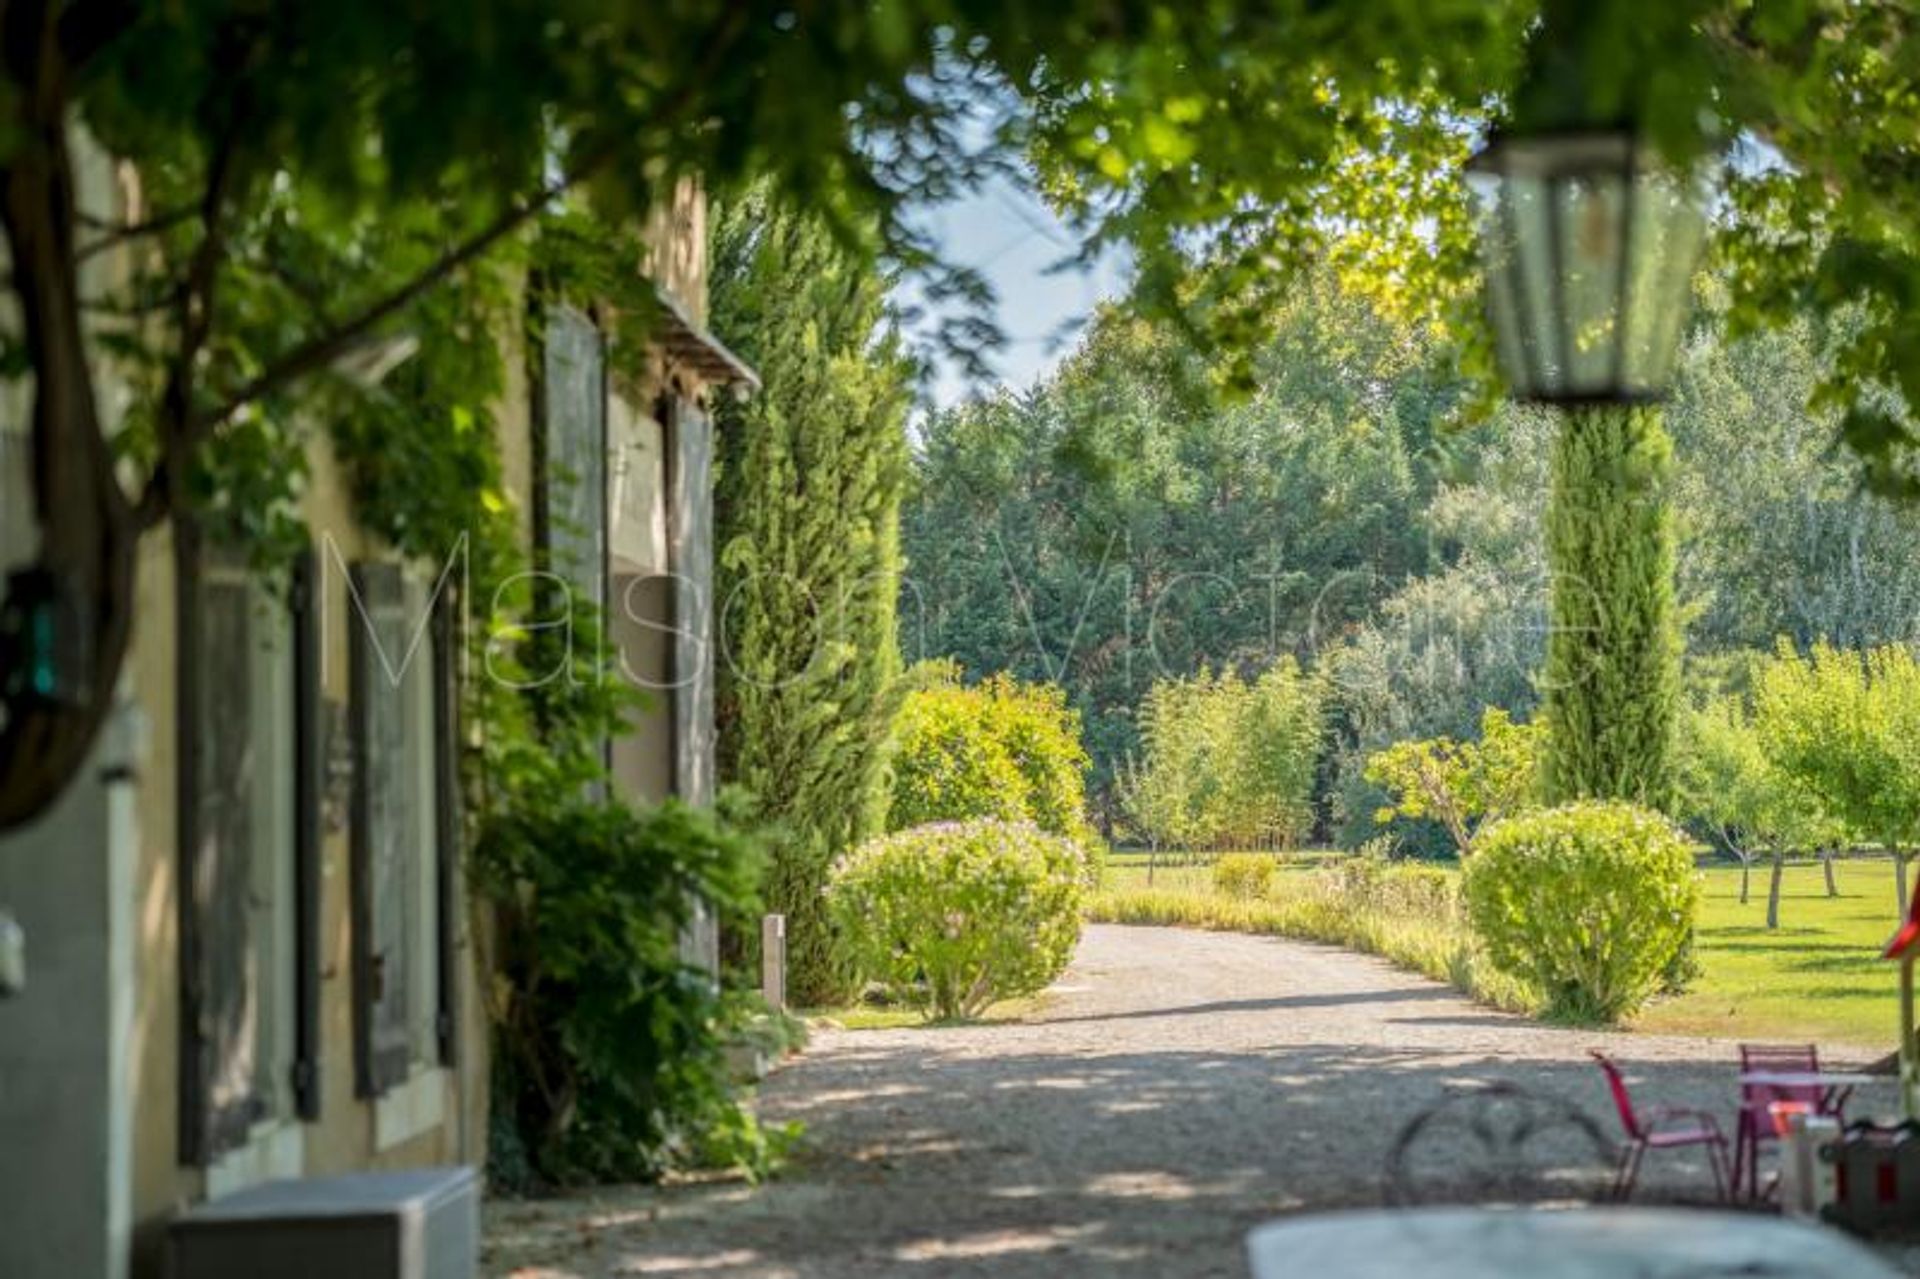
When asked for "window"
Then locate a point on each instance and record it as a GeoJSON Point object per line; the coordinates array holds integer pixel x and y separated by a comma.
{"type": "Point", "coordinates": [403, 827]}
{"type": "Point", "coordinates": [247, 1030]}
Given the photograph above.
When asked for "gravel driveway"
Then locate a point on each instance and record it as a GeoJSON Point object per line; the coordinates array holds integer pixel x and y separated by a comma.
{"type": "Point", "coordinates": [1174, 1089]}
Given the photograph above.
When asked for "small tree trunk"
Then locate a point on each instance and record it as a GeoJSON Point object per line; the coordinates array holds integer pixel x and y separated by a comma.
{"type": "Point", "coordinates": [1746, 874]}
{"type": "Point", "coordinates": [1899, 879]}
{"type": "Point", "coordinates": [1153, 855]}
{"type": "Point", "coordinates": [1826, 864]}
{"type": "Point", "coordinates": [1773, 888]}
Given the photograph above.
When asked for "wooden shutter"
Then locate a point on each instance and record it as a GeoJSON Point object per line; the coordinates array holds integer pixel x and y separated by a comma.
{"type": "Point", "coordinates": [447, 826]}
{"type": "Point", "coordinates": [690, 541]}
{"type": "Point", "coordinates": [572, 497]}
{"type": "Point", "coordinates": [221, 985]}
{"type": "Point", "coordinates": [383, 829]}
{"type": "Point", "coordinates": [309, 798]}
{"type": "Point", "coordinates": [690, 544]}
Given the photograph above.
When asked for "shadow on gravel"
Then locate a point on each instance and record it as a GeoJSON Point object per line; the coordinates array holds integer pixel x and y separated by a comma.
{"type": "Point", "coordinates": [922, 1160]}
{"type": "Point", "coordinates": [1277, 1003]}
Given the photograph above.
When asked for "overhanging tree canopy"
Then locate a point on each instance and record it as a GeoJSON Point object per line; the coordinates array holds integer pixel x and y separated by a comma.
{"type": "Point", "coordinates": [378, 149]}
{"type": "Point", "coordinates": [390, 146]}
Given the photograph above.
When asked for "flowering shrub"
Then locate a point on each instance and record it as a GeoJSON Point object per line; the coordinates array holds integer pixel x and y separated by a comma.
{"type": "Point", "coordinates": [955, 915]}
{"type": "Point", "coordinates": [1242, 875]}
{"type": "Point", "coordinates": [1589, 903]}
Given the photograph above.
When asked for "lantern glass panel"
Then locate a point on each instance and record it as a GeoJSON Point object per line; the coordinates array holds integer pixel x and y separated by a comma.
{"type": "Point", "coordinates": [1668, 226]}
{"type": "Point", "coordinates": [1591, 227]}
{"type": "Point", "coordinates": [1588, 243]}
{"type": "Point", "coordinates": [1499, 253]}
{"type": "Point", "coordinates": [1511, 334]}
{"type": "Point", "coordinates": [1527, 204]}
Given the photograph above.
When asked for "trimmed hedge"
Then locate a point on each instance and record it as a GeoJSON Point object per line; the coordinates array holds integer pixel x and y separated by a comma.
{"type": "Point", "coordinates": [954, 916]}
{"type": "Point", "coordinates": [1588, 903]}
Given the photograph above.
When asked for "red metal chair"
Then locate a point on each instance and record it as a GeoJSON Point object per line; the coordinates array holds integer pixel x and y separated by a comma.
{"type": "Point", "coordinates": [1660, 1128]}
{"type": "Point", "coordinates": [1756, 1122]}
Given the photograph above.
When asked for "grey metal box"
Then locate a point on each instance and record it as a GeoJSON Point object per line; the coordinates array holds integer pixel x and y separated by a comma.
{"type": "Point", "coordinates": [421, 1224]}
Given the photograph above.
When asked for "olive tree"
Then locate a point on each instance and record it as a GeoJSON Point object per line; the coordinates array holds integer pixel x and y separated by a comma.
{"type": "Point", "coordinates": [1844, 725]}
{"type": "Point", "coordinates": [1728, 781]}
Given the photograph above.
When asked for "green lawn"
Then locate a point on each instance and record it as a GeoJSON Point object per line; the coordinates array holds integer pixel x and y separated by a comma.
{"type": "Point", "coordinates": [1818, 977]}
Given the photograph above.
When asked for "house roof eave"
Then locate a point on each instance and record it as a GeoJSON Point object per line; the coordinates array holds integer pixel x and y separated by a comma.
{"type": "Point", "coordinates": [689, 344]}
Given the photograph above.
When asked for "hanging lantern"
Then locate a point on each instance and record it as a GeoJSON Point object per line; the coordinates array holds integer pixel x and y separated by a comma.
{"type": "Point", "coordinates": [1589, 240]}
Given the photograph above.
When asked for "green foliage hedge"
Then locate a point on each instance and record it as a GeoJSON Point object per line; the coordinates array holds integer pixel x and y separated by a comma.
{"type": "Point", "coordinates": [1227, 761]}
{"type": "Point", "coordinates": [1410, 890]}
{"type": "Point", "coordinates": [1000, 748]}
{"type": "Point", "coordinates": [951, 917]}
{"type": "Point", "coordinates": [1589, 903]}
{"type": "Point", "coordinates": [610, 1061]}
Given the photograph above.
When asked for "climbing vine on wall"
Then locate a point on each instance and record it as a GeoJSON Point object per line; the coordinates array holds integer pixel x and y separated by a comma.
{"type": "Point", "coordinates": [552, 856]}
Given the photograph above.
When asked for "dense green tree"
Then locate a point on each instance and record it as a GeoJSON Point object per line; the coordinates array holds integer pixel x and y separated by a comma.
{"type": "Point", "coordinates": [1777, 538]}
{"type": "Point", "coordinates": [394, 146]}
{"type": "Point", "coordinates": [1612, 678]}
{"type": "Point", "coordinates": [1121, 522]}
{"type": "Point", "coordinates": [1844, 724]}
{"type": "Point", "coordinates": [807, 531]}
{"type": "Point", "coordinates": [1466, 634]}
{"type": "Point", "coordinates": [1051, 530]}
{"type": "Point", "coordinates": [431, 133]}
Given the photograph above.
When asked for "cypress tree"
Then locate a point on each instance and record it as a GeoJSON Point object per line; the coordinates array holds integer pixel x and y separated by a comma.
{"type": "Point", "coordinates": [1612, 681]}
{"type": "Point", "coordinates": [807, 513]}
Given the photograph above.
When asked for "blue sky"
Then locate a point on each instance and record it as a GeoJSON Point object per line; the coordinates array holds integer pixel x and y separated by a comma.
{"type": "Point", "coordinates": [1007, 234]}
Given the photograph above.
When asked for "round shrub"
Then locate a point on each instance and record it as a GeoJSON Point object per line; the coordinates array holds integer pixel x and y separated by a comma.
{"type": "Point", "coordinates": [999, 748]}
{"type": "Point", "coordinates": [955, 915]}
{"type": "Point", "coordinates": [1588, 903]}
{"type": "Point", "coordinates": [1242, 875]}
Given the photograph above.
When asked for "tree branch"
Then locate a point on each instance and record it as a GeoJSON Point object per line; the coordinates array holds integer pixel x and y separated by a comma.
{"type": "Point", "coordinates": [155, 502]}
{"type": "Point", "coordinates": [193, 304]}
{"type": "Point", "coordinates": [305, 291]}
{"type": "Point", "coordinates": [118, 233]}
{"type": "Point", "coordinates": [124, 310]}
{"type": "Point", "coordinates": [319, 351]}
